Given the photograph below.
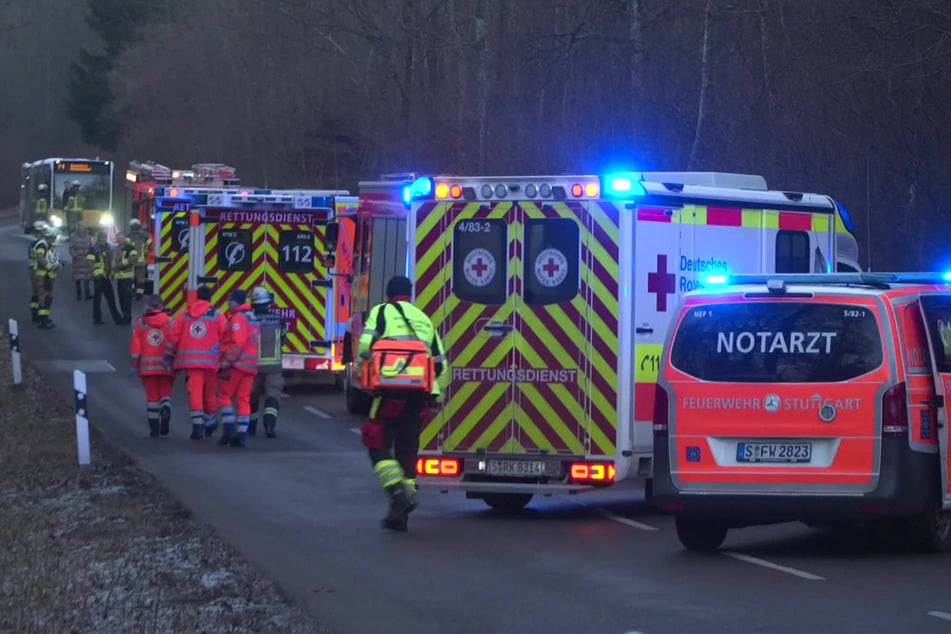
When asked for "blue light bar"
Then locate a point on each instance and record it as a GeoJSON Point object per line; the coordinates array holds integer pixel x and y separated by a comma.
{"type": "Point", "coordinates": [947, 276]}
{"type": "Point", "coordinates": [716, 279]}
{"type": "Point", "coordinates": [159, 191]}
{"type": "Point", "coordinates": [262, 191]}
{"type": "Point", "coordinates": [622, 185]}
{"type": "Point", "coordinates": [846, 217]}
{"type": "Point", "coordinates": [421, 188]}
{"type": "Point", "coordinates": [319, 201]}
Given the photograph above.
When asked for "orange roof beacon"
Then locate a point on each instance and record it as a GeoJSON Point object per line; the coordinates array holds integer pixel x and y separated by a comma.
{"type": "Point", "coordinates": [813, 398]}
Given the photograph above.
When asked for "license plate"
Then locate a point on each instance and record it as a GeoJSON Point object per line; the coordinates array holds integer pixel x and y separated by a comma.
{"type": "Point", "coordinates": [516, 467]}
{"type": "Point", "coordinates": [293, 363]}
{"type": "Point", "coordinates": [773, 452]}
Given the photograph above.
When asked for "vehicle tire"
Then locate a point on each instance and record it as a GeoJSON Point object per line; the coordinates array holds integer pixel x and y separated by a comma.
{"type": "Point", "coordinates": [931, 530]}
{"type": "Point", "coordinates": [508, 502]}
{"type": "Point", "coordinates": [358, 402]}
{"type": "Point", "coordinates": [700, 533]}
{"type": "Point", "coordinates": [648, 490]}
{"type": "Point", "coordinates": [339, 382]}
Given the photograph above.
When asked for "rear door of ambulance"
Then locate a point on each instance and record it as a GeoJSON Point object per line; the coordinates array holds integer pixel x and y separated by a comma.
{"type": "Point", "coordinates": [936, 308]}
{"type": "Point", "coordinates": [527, 307]}
{"type": "Point", "coordinates": [779, 395]}
{"type": "Point", "coordinates": [465, 262]}
{"type": "Point", "coordinates": [171, 259]}
{"type": "Point", "coordinates": [280, 250]}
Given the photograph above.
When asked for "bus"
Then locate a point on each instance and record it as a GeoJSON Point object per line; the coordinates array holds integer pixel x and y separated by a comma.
{"type": "Point", "coordinates": [63, 191]}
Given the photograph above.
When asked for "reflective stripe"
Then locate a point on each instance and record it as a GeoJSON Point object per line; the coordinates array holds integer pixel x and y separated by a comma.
{"type": "Point", "coordinates": [247, 367]}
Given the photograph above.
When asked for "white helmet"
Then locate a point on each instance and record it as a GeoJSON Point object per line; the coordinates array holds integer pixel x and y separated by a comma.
{"type": "Point", "coordinates": [40, 227]}
{"type": "Point", "coordinates": [134, 224]}
{"type": "Point", "coordinates": [260, 295]}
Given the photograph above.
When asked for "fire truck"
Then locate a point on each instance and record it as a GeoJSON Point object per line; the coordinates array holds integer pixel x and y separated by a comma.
{"type": "Point", "coordinates": [553, 295]}
{"type": "Point", "coordinates": [143, 178]}
{"type": "Point", "coordinates": [371, 248]}
{"type": "Point", "coordinates": [240, 238]}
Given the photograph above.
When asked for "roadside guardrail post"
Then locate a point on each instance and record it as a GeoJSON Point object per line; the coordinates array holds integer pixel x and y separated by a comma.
{"type": "Point", "coordinates": [15, 352]}
{"type": "Point", "coordinates": [82, 417]}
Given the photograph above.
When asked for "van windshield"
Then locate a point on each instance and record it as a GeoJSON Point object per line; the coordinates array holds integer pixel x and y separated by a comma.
{"type": "Point", "coordinates": [777, 342]}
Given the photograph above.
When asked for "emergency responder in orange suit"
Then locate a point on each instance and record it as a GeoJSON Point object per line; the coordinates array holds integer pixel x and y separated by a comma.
{"type": "Point", "coordinates": [393, 428]}
{"type": "Point", "coordinates": [194, 341]}
{"type": "Point", "coordinates": [147, 349]}
{"type": "Point", "coordinates": [237, 368]}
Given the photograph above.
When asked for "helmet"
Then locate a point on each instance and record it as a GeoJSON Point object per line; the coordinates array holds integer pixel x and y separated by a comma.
{"type": "Point", "coordinates": [261, 296]}
{"type": "Point", "coordinates": [41, 227]}
{"type": "Point", "coordinates": [134, 223]}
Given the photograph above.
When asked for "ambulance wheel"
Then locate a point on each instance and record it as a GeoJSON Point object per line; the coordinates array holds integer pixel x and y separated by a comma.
{"type": "Point", "coordinates": [700, 533]}
{"type": "Point", "coordinates": [932, 529]}
{"type": "Point", "coordinates": [508, 502]}
{"type": "Point", "coordinates": [358, 402]}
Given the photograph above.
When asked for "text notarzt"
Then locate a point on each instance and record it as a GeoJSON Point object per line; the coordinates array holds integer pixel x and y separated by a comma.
{"type": "Point", "coordinates": [769, 342]}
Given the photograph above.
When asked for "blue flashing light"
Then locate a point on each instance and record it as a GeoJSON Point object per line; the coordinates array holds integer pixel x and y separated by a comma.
{"type": "Point", "coordinates": [716, 279]}
{"type": "Point", "coordinates": [263, 192]}
{"type": "Point", "coordinates": [159, 192]}
{"type": "Point", "coordinates": [421, 188]}
{"type": "Point", "coordinates": [319, 201]}
{"type": "Point", "coordinates": [622, 185]}
{"type": "Point", "coordinates": [846, 217]}
{"type": "Point", "coordinates": [200, 199]}
{"type": "Point", "coordinates": [407, 194]}
{"type": "Point", "coordinates": [947, 276]}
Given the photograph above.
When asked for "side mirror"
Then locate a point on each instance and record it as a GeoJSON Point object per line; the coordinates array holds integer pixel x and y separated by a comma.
{"type": "Point", "coordinates": [331, 234]}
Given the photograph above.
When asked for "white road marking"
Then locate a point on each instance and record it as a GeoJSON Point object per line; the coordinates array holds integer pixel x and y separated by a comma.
{"type": "Point", "coordinates": [940, 615]}
{"type": "Point", "coordinates": [317, 412]}
{"type": "Point", "coordinates": [628, 522]}
{"type": "Point", "coordinates": [756, 561]}
{"type": "Point", "coordinates": [356, 430]}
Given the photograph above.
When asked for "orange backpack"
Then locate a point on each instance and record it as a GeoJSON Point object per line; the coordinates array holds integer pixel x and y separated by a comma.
{"type": "Point", "coordinates": [396, 365]}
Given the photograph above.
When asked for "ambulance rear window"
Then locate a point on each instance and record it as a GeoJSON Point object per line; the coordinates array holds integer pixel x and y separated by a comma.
{"type": "Point", "coordinates": [773, 342]}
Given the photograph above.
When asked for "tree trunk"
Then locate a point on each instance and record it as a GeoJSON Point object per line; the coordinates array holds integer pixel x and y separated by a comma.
{"type": "Point", "coordinates": [706, 83]}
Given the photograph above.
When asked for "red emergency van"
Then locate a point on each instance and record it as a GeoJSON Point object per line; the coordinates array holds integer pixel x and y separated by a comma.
{"type": "Point", "coordinates": [814, 398]}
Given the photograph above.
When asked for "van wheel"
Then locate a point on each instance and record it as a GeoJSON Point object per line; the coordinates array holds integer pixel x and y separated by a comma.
{"type": "Point", "coordinates": [358, 402]}
{"type": "Point", "coordinates": [932, 529]}
{"type": "Point", "coordinates": [508, 502]}
{"type": "Point", "coordinates": [700, 533]}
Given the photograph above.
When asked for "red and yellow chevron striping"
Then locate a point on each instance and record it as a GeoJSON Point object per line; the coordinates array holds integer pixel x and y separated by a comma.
{"type": "Point", "coordinates": [172, 264]}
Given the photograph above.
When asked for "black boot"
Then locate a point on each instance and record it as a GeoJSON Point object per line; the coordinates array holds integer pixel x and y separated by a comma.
{"type": "Point", "coordinates": [197, 432]}
{"type": "Point", "coordinates": [269, 430]}
{"type": "Point", "coordinates": [398, 517]}
{"type": "Point", "coordinates": [253, 427]}
{"type": "Point", "coordinates": [165, 416]}
{"type": "Point", "coordinates": [153, 428]}
{"type": "Point", "coordinates": [227, 431]}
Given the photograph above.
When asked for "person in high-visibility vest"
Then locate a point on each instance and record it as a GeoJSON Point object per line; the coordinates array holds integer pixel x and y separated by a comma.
{"type": "Point", "coordinates": [35, 280]}
{"type": "Point", "coordinates": [126, 258]}
{"type": "Point", "coordinates": [100, 258]}
{"type": "Point", "coordinates": [391, 433]}
{"type": "Point", "coordinates": [143, 245]}
{"type": "Point", "coordinates": [269, 381]}
{"type": "Point", "coordinates": [147, 350]}
{"type": "Point", "coordinates": [193, 342]}
{"type": "Point", "coordinates": [45, 264]}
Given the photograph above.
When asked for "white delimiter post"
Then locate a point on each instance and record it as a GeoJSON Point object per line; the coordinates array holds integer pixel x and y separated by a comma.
{"type": "Point", "coordinates": [15, 352]}
{"type": "Point", "coordinates": [82, 417]}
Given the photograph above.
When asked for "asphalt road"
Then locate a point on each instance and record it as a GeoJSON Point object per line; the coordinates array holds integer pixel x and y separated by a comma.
{"type": "Point", "coordinates": [306, 508]}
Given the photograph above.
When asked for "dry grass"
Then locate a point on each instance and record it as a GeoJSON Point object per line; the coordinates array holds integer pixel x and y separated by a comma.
{"type": "Point", "coordinates": [106, 549]}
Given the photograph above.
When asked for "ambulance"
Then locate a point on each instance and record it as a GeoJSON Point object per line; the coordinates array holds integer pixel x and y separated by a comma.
{"type": "Point", "coordinates": [371, 249]}
{"type": "Point", "coordinates": [553, 294]}
{"type": "Point", "coordinates": [233, 239]}
{"type": "Point", "coordinates": [820, 399]}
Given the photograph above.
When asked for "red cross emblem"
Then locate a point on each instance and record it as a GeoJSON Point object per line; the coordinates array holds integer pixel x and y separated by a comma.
{"type": "Point", "coordinates": [479, 267]}
{"type": "Point", "coordinates": [551, 267]}
{"type": "Point", "coordinates": [661, 283]}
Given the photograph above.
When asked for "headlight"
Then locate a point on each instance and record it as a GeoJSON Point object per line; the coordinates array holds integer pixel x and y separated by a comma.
{"type": "Point", "coordinates": [106, 220]}
{"type": "Point", "coordinates": [56, 221]}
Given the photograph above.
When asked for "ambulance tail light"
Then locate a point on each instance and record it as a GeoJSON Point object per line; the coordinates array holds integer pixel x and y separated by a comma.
{"type": "Point", "coordinates": [895, 412]}
{"type": "Point", "coordinates": [577, 190]}
{"type": "Point", "coordinates": [592, 472]}
{"type": "Point", "coordinates": [661, 403]}
{"type": "Point", "coordinates": [439, 467]}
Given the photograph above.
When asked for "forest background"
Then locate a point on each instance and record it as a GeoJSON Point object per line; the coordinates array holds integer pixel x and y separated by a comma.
{"type": "Point", "coordinates": [845, 97]}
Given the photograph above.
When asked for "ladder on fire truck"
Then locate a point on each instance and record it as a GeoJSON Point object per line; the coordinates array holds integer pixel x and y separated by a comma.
{"type": "Point", "coordinates": [200, 174]}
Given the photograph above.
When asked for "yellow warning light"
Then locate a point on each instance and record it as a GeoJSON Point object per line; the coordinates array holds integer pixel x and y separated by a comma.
{"type": "Point", "coordinates": [442, 190]}
{"type": "Point", "coordinates": [591, 190]}
{"type": "Point", "coordinates": [173, 192]}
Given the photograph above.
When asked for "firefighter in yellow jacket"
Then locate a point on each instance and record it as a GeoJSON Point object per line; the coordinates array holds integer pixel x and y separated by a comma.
{"type": "Point", "coordinates": [391, 433]}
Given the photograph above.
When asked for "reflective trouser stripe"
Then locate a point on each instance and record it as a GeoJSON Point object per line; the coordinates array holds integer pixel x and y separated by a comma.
{"type": "Point", "coordinates": [243, 421]}
{"type": "Point", "coordinates": [198, 417]}
{"type": "Point", "coordinates": [389, 473]}
{"type": "Point", "coordinates": [227, 415]}
{"type": "Point", "coordinates": [152, 409]}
